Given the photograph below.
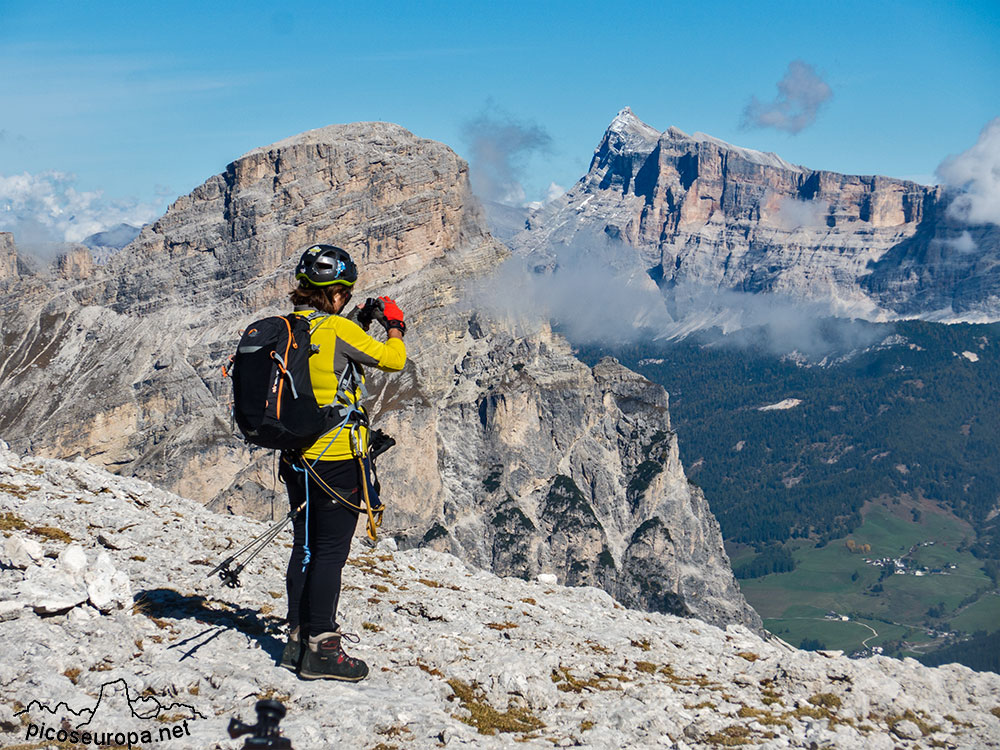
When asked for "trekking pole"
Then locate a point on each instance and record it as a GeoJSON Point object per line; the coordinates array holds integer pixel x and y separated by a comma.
{"type": "Point", "coordinates": [230, 576]}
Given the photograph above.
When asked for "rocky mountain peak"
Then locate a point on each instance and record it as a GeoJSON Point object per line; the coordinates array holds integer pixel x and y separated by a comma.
{"type": "Point", "coordinates": [629, 133]}
{"type": "Point", "coordinates": [357, 186]}
{"type": "Point", "coordinates": [512, 454]}
{"type": "Point", "coordinates": [702, 213]}
{"type": "Point", "coordinates": [631, 129]}
{"type": "Point", "coordinates": [386, 134]}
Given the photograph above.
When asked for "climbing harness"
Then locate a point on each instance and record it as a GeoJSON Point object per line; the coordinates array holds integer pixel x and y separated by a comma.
{"type": "Point", "coordinates": [372, 505]}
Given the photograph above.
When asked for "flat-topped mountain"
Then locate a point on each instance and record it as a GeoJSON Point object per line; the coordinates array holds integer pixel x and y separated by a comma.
{"type": "Point", "coordinates": [704, 214]}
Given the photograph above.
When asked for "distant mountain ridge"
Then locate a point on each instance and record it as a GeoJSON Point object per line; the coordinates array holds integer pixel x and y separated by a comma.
{"type": "Point", "coordinates": [105, 244]}
{"type": "Point", "coordinates": [704, 214]}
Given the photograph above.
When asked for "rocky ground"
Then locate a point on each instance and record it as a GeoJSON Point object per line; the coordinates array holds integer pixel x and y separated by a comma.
{"type": "Point", "coordinates": [104, 602]}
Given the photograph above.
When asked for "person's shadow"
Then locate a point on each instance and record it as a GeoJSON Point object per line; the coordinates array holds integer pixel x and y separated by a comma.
{"type": "Point", "coordinates": [217, 615]}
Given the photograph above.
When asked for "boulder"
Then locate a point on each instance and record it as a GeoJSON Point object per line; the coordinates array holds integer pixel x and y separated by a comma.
{"type": "Point", "coordinates": [52, 588]}
{"type": "Point", "coordinates": [21, 551]}
{"type": "Point", "coordinates": [107, 588]}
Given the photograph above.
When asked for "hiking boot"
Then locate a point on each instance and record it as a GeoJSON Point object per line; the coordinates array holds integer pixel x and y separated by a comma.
{"type": "Point", "coordinates": [326, 660]}
{"type": "Point", "coordinates": [291, 657]}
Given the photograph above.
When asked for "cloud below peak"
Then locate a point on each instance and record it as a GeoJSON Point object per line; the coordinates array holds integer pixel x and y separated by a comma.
{"type": "Point", "coordinates": [975, 173]}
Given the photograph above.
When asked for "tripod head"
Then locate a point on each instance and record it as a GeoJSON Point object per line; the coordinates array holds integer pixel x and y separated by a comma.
{"type": "Point", "coordinates": [265, 733]}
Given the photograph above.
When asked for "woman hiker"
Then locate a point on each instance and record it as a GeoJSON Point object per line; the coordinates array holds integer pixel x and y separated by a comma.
{"type": "Point", "coordinates": [337, 482]}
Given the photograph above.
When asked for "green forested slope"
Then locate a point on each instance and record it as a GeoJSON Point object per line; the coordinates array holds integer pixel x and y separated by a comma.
{"type": "Point", "coordinates": [914, 416]}
{"type": "Point", "coordinates": [890, 446]}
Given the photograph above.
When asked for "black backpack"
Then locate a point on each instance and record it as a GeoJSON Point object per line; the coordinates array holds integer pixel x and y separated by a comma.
{"type": "Point", "coordinates": [273, 400]}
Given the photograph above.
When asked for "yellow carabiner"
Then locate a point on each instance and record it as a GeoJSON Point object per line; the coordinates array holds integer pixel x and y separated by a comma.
{"type": "Point", "coordinates": [372, 526]}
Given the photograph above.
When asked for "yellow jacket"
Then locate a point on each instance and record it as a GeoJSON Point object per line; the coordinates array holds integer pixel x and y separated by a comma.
{"type": "Point", "coordinates": [340, 342]}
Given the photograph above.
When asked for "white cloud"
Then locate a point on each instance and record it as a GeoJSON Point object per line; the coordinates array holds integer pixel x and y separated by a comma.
{"type": "Point", "coordinates": [594, 292]}
{"type": "Point", "coordinates": [963, 243]}
{"type": "Point", "coordinates": [552, 192]}
{"type": "Point", "coordinates": [976, 174]}
{"type": "Point", "coordinates": [597, 294]}
{"type": "Point", "coordinates": [800, 95]}
{"type": "Point", "coordinates": [46, 208]}
{"type": "Point", "coordinates": [794, 214]}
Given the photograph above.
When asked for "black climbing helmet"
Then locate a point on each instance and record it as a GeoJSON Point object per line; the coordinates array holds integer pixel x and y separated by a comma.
{"type": "Point", "coordinates": [324, 265]}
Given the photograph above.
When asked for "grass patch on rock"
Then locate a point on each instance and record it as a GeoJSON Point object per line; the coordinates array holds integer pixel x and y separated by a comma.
{"type": "Point", "coordinates": [675, 679]}
{"type": "Point", "coordinates": [826, 700]}
{"type": "Point", "coordinates": [921, 722]}
{"type": "Point", "coordinates": [485, 718]}
{"type": "Point", "coordinates": [21, 492]}
{"type": "Point", "coordinates": [501, 625]}
{"type": "Point", "coordinates": [735, 735]}
{"type": "Point", "coordinates": [434, 671]}
{"type": "Point", "coordinates": [51, 532]}
{"type": "Point", "coordinates": [567, 682]}
{"type": "Point", "coordinates": [12, 522]}
{"type": "Point", "coordinates": [769, 695]}
{"type": "Point", "coordinates": [273, 694]}
{"type": "Point", "coordinates": [763, 716]}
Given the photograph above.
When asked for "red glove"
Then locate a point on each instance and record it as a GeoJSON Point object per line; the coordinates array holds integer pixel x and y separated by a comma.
{"type": "Point", "coordinates": [393, 315]}
{"type": "Point", "coordinates": [391, 309]}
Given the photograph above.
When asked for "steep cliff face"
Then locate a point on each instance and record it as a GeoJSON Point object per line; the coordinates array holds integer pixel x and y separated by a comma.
{"type": "Point", "coordinates": [512, 453]}
{"type": "Point", "coordinates": [548, 465]}
{"type": "Point", "coordinates": [706, 213]}
{"type": "Point", "coordinates": [8, 257]}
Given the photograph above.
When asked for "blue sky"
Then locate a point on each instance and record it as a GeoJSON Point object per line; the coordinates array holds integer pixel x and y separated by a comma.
{"type": "Point", "coordinates": [144, 101]}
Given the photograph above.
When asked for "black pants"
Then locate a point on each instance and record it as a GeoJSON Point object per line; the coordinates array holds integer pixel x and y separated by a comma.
{"type": "Point", "coordinates": [313, 593]}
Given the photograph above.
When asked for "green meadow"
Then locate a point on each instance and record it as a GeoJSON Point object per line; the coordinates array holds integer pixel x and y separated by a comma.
{"type": "Point", "coordinates": [905, 610]}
